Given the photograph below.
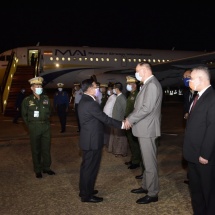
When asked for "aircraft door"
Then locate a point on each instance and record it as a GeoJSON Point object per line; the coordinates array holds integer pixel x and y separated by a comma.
{"type": "Point", "coordinates": [32, 57]}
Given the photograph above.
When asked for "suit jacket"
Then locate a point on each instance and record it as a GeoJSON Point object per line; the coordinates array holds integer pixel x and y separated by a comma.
{"type": "Point", "coordinates": [92, 120]}
{"type": "Point", "coordinates": [146, 116]}
{"type": "Point", "coordinates": [119, 107]}
{"type": "Point", "coordinates": [199, 139]}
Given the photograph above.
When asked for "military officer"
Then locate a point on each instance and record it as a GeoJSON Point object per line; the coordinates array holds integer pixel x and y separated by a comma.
{"type": "Point", "coordinates": [136, 158]}
{"type": "Point", "coordinates": [36, 111]}
{"type": "Point", "coordinates": [61, 105]}
{"type": "Point", "coordinates": [103, 90]}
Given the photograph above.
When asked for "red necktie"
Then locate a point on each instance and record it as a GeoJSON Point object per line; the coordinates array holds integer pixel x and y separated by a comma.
{"type": "Point", "coordinates": [194, 101]}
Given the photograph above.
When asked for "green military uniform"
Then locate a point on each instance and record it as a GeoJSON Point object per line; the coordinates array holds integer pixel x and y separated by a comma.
{"type": "Point", "coordinates": [103, 100]}
{"type": "Point", "coordinates": [136, 157]}
{"type": "Point", "coordinates": [36, 114]}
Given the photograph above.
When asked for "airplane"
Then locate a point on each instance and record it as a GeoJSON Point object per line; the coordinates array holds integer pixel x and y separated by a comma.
{"type": "Point", "coordinates": [74, 64]}
{"type": "Point", "coordinates": [71, 64]}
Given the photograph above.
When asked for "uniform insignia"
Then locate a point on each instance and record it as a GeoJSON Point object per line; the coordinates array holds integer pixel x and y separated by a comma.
{"type": "Point", "coordinates": [31, 103]}
{"type": "Point", "coordinates": [45, 102]}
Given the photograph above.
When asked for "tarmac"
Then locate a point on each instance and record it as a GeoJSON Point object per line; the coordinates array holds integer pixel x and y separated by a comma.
{"type": "Point", "coordinates": [21, 193]}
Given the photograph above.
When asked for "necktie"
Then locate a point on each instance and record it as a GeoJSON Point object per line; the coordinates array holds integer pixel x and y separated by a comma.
{"type": "Point", "coordinates": [194, 101]}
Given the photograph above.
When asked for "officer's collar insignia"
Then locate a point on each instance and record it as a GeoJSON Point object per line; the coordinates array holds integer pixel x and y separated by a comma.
{"type": "Point", "coordinates": [31, 103]}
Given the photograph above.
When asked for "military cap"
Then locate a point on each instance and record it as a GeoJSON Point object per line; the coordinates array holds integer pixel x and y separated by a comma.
{"type": "Point", "coordinates": [60, 85]}
{"type": "Point", "coordinates": [103, 85]}
{"type": "Point", "coordinates": [77, 84]}
{"type": "Point", "coordinates": [131, 79]}
{"type": "Point", "coordinates": [36, 80]}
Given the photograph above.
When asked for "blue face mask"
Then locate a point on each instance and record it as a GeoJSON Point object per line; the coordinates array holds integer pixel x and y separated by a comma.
{"type": "Point", "coordinates": [138, 77]}
{"type": "Point", "coordinates": [129, 87]}
{"type": "Point", "coordinates": [186, 82]}
{"type": "Point", "coordinates": [38, 90]}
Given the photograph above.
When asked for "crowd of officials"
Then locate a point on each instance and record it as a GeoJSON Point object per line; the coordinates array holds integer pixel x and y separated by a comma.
{"type": "Point", "coordinates": [108, 117]}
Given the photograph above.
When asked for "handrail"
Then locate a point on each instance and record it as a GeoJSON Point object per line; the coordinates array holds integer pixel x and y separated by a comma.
{"type": "Point", "coordinates": [5, 78]}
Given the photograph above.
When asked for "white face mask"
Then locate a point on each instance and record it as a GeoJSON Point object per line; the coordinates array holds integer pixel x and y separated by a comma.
{"type": "Point", "coordinates": [60, 89]}
{"type": "Point", "coordinates": [96, 92]}
{"type": "Point", "coordinates": [108, 92]}
{"type": "Point", "coordinates": [137, 75]}
{"type": "Point", "coordinates": [114, 91]}
{"type": "Point", "coordinates": [38, 90]}
{"type": "Point", "coordinates": [129, 87]}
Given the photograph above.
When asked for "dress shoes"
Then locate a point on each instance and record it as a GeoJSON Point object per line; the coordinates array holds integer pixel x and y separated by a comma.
{"type": "Point", "coordinates": [147, 199]}
{"type": "Point", "coordinates": [139, 190]}
{"type": "Point", "coordinates": [139, 176]}
{"type": "Point", "coordinates": [94, 192]}
{"type": "Point", "coordinates": [93, 199]}
{"type": "Point", "coordinates": [49, 172]}
{"type": "Point", "coordinates": [38, 175]}
{"type": "Point", "coordinates": [128, 163]}
{"type": "Point", "coordinates": [133, 166]}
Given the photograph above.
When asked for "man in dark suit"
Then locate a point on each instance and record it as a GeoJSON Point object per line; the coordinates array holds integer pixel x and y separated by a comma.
{"type": "Point", "coordinates": [199, 143]}
{"type": "Point", "coordinates": [145, 121]}
{"type": "Point", "coordinates": [92, 121]}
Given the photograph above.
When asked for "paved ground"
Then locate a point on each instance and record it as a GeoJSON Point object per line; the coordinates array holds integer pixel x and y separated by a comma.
{"type": "Point", "coordinates": [23, 194]}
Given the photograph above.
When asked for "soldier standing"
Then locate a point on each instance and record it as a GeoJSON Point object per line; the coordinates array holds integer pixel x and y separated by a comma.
{"type": "Point", "coordinates": [36, 111]}
{"type": "Point", "coordinates": [136, 158]}
{"type": "Point", "coordinates": [103, 90]}
{"type": "Point", "coordinates": [61, 104]}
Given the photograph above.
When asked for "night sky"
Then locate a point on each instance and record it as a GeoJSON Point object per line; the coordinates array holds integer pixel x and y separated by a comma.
{"type": "Point", "coordinates": [134, 25]}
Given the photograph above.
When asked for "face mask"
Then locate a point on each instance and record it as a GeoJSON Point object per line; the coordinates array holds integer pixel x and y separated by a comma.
{"type": "Point", "coordinates": [60, 89]}
{"type": "Point", "coordinates": [114, 91]}
{"type": "Point", "coordinates": [108, 92]}
{"type": "Point", "coordinates": [140, 87]}
{"type": "Point", "coordinates": [193, 84]}
{"type": "Point", "coordinates": [129, 87]}
{"type": "Point", "coordinates": [38, 90]}
{"type": "Point", "coordinates": [96, 92]}
{"type": "Point", "coordinates": [138, 76]}
{"type": "Point", "coordinates": [186, 82]}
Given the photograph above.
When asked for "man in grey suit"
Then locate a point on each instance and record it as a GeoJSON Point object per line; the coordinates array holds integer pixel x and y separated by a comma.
{"type": "Point", "coordinates": [92, 121]}
{"type": "Point", "coordinates": [199, 143]}
{"type": "Point", "coordinates": [145, 121]}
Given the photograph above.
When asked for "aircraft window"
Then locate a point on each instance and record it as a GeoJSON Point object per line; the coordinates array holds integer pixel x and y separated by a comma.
{"type": "Point", "coordinates": [97, 59]}
{"type": "Point", "coordinates": [123, 60]}
{"type": "Point", "coordinates": [85, 58]}
{"type": "Point", "coordinates": [163, 61]}
{"type": "Point", "coordinates": [57, 65]}
{"type": "Point", "coordinates": [51, 58]}
{"type": "Point", "coordinates": [115, 59]}
{"type": "Point", "coordinates": [135, 60]}
{"type": "Point", "coordinates": [139, 60]}
{"type": "Point", "coordinates": [57, 58]}
{"type": "Point", "coordinates": [63, 58]}
{"type": "Point", "coordinates": [154, 60]}
{"type": "Point", "coordinates": [107, 59]}
{"type": "Point", "coordinates": [102, 59]}
{"type": "Point", "coordinates": [129, 60]}
{"type": "Point", "coordinates": [144, 60]}
{"type": "Point", "coordinates": [69, 58]}
{"type": "Point", "coordinates": [80, 58]}
{"type": "Point", "coordinates": [91, 59]}
{"type": "Point", "coordinates": [159, 60]}
{"type": "Point", "coordinates": [74, 58]}
{"type": "Point", "coordinates": [149, 60]}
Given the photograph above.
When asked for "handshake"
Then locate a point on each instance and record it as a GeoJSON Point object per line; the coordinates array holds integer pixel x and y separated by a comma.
{"type": "Point", "coordinates": [126, 124]}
